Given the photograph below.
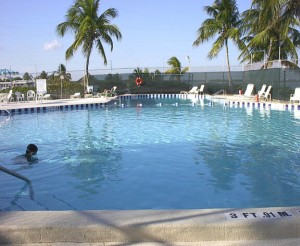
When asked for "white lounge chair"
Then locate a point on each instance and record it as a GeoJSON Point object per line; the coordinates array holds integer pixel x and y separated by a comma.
{"type": "Point", "coordinates": [267, 94]}
{"type": "Point", "coordinates": [108, 93]}
{"type": "Point", "coordinates": [194, 90]}
{"type": "Point", "coordinates": [7, 97]}
{"type": "Point", "coordinates": [19, 96]}
{"type": "Point", "coordinates": [39, 96]}
{"type": "Point", "coordinates": [249, 91]}
{"type": "Point", "coordinates": [201, 90]}
{"type": "Point", "coordinates": [47, 96]}
{"type": "Point", "coordinates": [296, 96]}
{"type": "Point", "coordinates": [262, 90]}
{"type": "Point", "coordinates": [76, 95]}
{"type": "Point", "coordinates": [30, 95]}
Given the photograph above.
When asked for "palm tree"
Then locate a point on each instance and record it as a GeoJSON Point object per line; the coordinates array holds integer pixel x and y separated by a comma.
{"type": "Point", "coordinates": [27, 76]}
{"type": "Point", "coordinates": [89, 29]}
{"type": "Point", "coordinates": [270, 32]}
{"type": "Point", "coordinates": [292, 8]}
{"type": "Point", "coordinates": [62, 71]}
{"type": "Point", "coordinates": [176, 67]}
{"type": "Point", "coordinates": [225, 23]}
{"type": "Point", "coordinates": [43, 75]}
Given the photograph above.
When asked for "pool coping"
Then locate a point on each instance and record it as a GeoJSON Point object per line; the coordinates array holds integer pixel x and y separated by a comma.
{"type": "Point", "coordinates": [156, 226]}
{"type": "Point", "coordinates": [53, 105]}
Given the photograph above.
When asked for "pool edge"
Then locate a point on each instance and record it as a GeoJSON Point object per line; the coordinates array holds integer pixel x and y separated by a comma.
{"type": "Point", "coordinates": [161, 226]}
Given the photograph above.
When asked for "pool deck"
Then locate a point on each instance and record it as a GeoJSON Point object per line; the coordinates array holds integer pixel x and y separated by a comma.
{"type": "Point", "coordinates": [55, 103]}
{"type": "Point", "coordinates": [259, 226]}
{"type": "Point", "coordinates": [249, 226]}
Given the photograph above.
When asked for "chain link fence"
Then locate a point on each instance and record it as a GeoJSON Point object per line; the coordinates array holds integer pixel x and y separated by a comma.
{"type": "Point", "coordinates": [155, 80]}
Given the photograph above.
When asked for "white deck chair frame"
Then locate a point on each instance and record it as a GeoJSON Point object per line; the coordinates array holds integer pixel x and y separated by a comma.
{"type": "Point", "coordinates": [75, 95]}
{"type": "Point", "coordinates": [108, 93]}
{"type": "Point", "coordinates": [249, 91]}
{"type": "Point", "coordinates": [19, 96]}
{"type": "Point", "coordinates": [296, 96]}
{"type": "Point", "coordinates": [7, 97]}
{"type": "Point", "coordinates": [30, 95]}
{"type": "Point", "coordinates": [262, 90]}
{"type": "Point", "coordinates": [194, 90]}
{"type": "Point", "coordinates": [201, 90]}
{"type": "Point", "coordinates": [267, 94]}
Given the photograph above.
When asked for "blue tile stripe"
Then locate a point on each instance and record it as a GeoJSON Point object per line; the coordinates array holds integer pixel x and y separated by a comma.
{"type": "Point", "coordinates": [260, 105]}
{"type": "Point", "coordinates": [264, 105]}
{"type": "Point", "coordinates": [158, 96]}
{"type": "Point", "coordinates": [45, 109]}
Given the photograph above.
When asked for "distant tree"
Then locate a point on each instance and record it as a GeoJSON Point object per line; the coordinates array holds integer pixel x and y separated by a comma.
{"type": "Point", "coordinates": [43, 75]}
{"type": "Point", "coordinates": [62, 71]}
{"type": "Point", "coordinates": [59, 73]}
{"type": "Point", "coordinates": [146, 75]}
{"type": "Point", "coordinates": [176, 67]}
{"type": "Point", "coordinates": [115, 78]}
{"type": "Point", "coordinates": [137, 72]}
{"type": "Point", "coordinates": [27, 76]}
{"type": "Point", "coordinates": [157, 75]}
{"type": "Point", "coordinates": [89, 29]}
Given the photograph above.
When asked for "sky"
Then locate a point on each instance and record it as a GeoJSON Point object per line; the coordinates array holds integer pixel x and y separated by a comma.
{"type": "Point", "coordinates": [153, 31]}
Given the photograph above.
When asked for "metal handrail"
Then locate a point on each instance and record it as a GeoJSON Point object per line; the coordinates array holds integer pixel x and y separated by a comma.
{"type": "Point", "coordinates": [15, 174]}
{"type": "Point", "coordinates": [219, 92]}
{"type": "Point", "coordinates": [6, 110]}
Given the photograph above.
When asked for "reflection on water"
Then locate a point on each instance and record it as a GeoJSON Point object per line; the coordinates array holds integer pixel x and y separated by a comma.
{"type": "Point", "coordinates": [95, 158]}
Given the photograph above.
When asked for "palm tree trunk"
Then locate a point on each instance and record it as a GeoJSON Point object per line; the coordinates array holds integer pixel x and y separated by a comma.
{"type": "Point", "coordinates": [269, 52]}
{"type": "Point", "coordinates": [228, 65]}
{"type": "Point", "coordinates": [87, 70]}
{"type": "Point", "coordinates": [86, 77]}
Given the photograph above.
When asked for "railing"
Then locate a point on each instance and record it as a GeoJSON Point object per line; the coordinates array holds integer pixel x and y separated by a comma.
{"type": "Point", "coordinates": [15, 174]}
{"type": "Point", "coordinates": [6, 110]}
{"type": "Point", "coordinates": [219, 92]}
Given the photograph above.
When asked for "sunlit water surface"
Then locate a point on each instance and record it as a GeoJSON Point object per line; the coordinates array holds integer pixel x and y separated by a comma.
{"type": "Point", "coordinates": [158, 156]}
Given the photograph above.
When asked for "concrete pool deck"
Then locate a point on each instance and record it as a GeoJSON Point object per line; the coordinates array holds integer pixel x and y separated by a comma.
{"type": "Point", "coordinates": [251, 226]}
{"type": "Point", "coordinates": [36, 106]}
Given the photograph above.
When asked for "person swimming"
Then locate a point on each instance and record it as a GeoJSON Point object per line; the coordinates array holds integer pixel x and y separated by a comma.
{"type": "Point", "coordinates": [31, 152]}
{"type": "Point", "coordinates": [30, 156]}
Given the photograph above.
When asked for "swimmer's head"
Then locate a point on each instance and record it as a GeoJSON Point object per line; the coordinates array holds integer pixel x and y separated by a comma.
{"type": "Point", "coordinates": [31, 151]}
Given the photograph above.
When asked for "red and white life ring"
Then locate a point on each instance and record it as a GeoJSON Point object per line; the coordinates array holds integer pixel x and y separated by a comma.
{"type": "Point", "coordinates": [138, 81]}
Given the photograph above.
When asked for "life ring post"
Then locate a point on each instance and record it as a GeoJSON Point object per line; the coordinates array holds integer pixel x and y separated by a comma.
{"type": "Point", "coordinates": [138, 81]}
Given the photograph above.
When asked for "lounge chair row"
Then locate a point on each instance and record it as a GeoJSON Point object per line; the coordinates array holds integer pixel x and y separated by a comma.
{"type": "Point", "coordinates": [263, 94]}
{"type": "Point", "coordinates": [19, 97]}
{"type": "Point", "coordinates": [105, 93]}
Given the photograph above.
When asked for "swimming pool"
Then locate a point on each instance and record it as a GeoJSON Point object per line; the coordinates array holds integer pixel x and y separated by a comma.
{"type": "Point", "coordinates": [163, 154]}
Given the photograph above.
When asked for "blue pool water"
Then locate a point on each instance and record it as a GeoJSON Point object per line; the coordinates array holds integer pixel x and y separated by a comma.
{"type": "Point", "coordinates": [158, 156]}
